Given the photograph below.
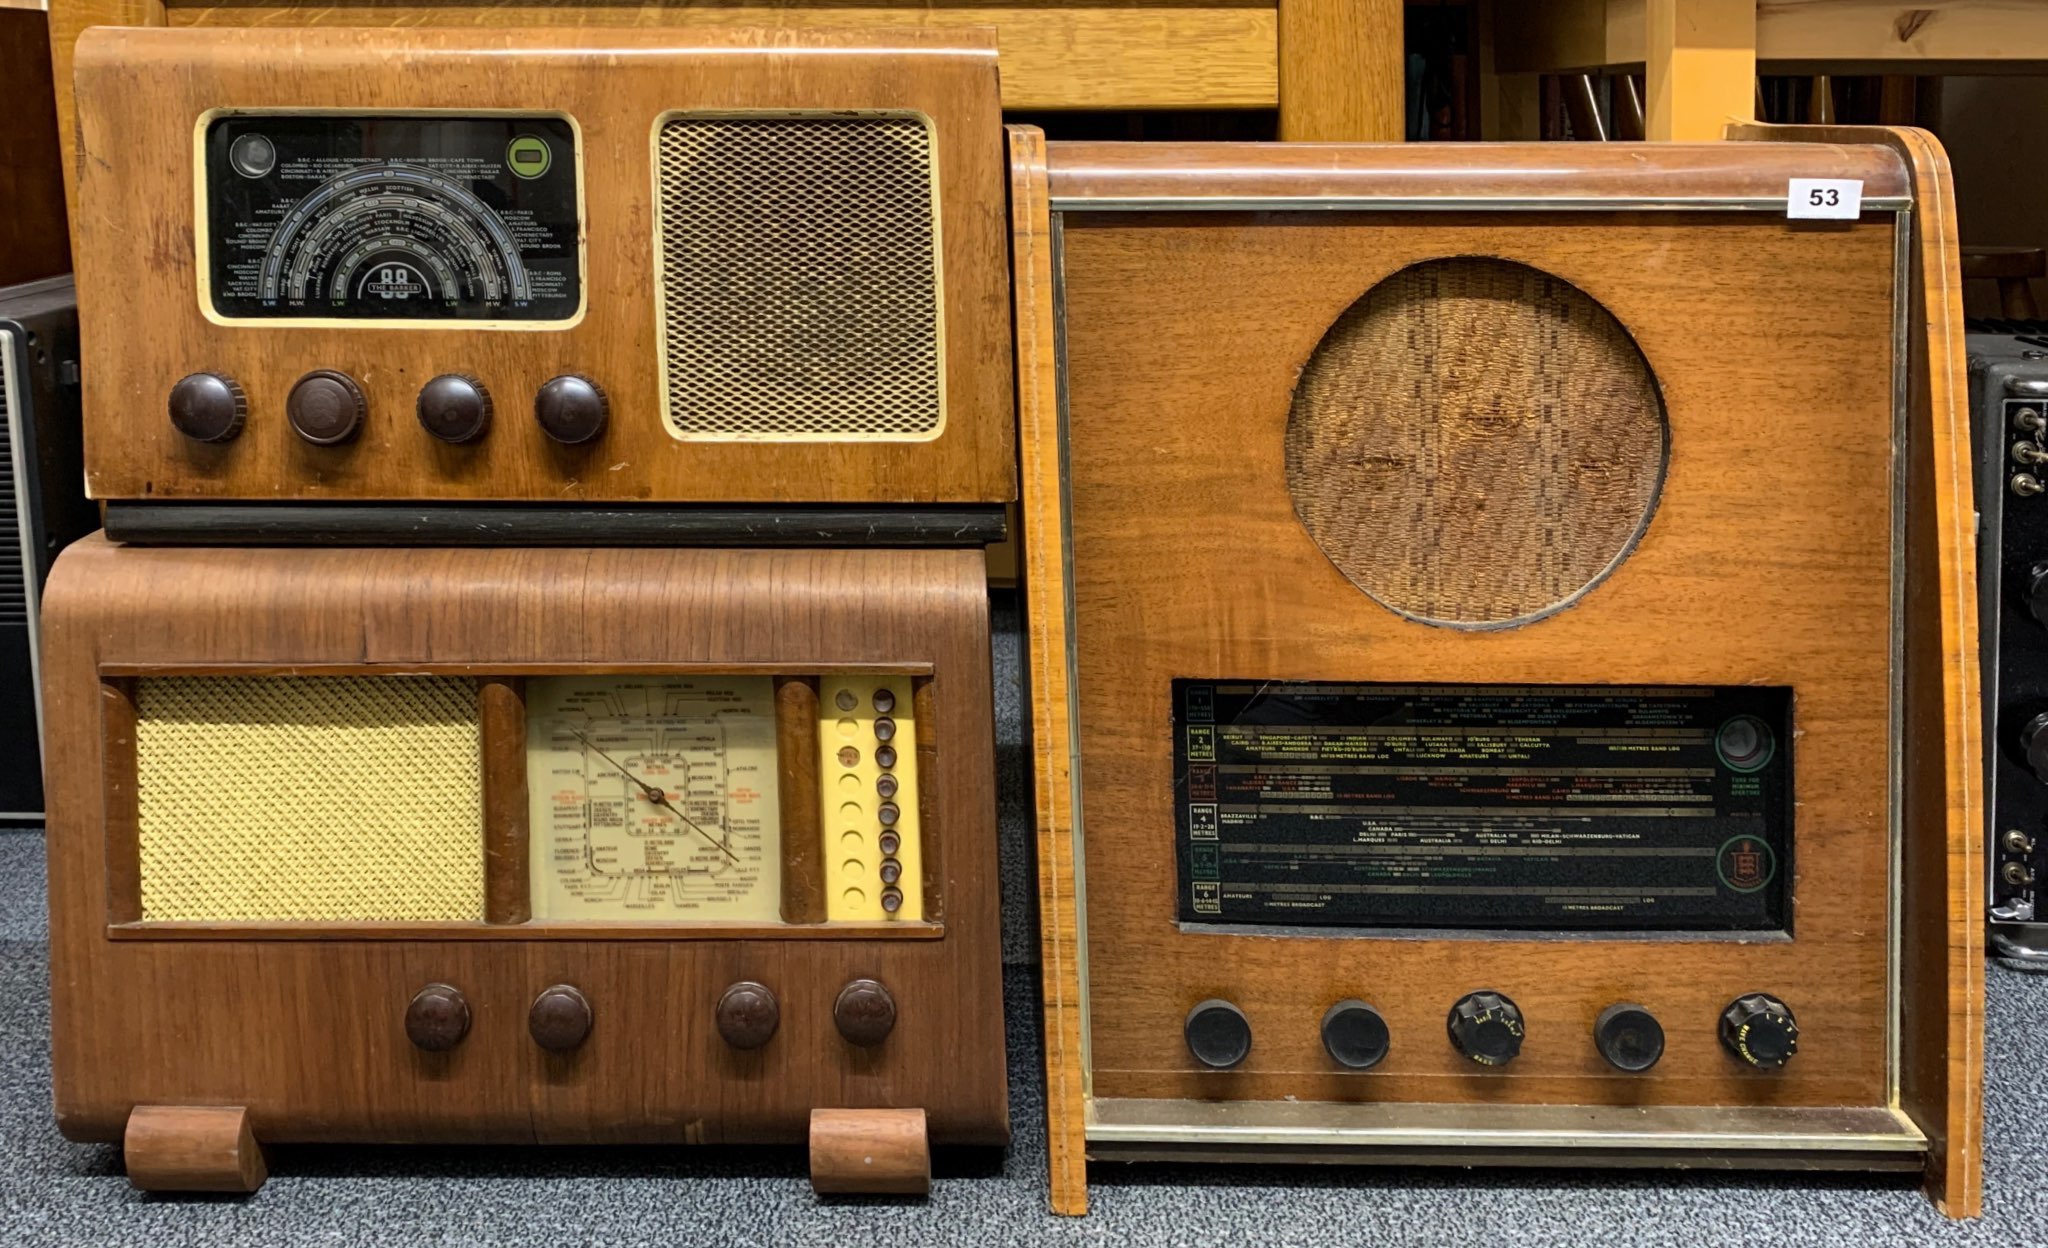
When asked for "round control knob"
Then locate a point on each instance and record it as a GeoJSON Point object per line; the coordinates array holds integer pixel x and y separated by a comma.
{"type": "Point", "coordinates": [1486, 1027]}
{"type": "Point", "coordinates": [1628, 1036]}
{"type": "Point", "coordinates": [208, 407]}
{"type": "Point", "coordinates": [1354, 1034]}
{"type": "Point", "coordinates": [1759, 1030]}
{"type": "Point", "coordinates": [1218, 1034]}
{"type": "Point", "coordinates": [2037, 592]}
{"type": "Point", "coordinates": [2034, 740]}
{"type": "Point", "coordinates": [326, 407]}
{"type": "Point", "coordinates": [560, 1019]}
{"type": "Point", "coordinates": [865, 1013]}
{"type": "Point", "coordinates": [748, 1015]}
{"type": "Point", "coordinates": [571, 409]}
{"type": "Point", "coordinates": [455, 407]}
{"type": "Point", "coordinates": [437, 1019]}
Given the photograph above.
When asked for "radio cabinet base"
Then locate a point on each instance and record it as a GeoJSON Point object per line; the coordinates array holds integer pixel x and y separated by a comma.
{"type": "Point", "coordinates": [192, 1148]}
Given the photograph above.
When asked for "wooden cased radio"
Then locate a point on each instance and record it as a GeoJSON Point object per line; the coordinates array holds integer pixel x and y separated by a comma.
{"type": "Point", "coordinates": [1503, 655]}
{"type": "Point", "coordinates": [535, 683]}
{"type": "Point", "coordinates": [565, 266]}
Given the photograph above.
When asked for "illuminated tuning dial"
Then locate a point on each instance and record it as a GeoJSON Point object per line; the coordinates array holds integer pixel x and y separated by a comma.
{"type": "Point", "coordinates": [1486, 1027]}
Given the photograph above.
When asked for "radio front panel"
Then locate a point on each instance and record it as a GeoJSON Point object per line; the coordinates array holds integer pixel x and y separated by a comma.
{"type": "Point", "coordinates": [563, 267]}
{"type": "Point", "coordinates": [1525, 717]}
{"type": "Point", "coordinates": [1732, 586]}
{"type": "Point", "coordinates": [689, 865]}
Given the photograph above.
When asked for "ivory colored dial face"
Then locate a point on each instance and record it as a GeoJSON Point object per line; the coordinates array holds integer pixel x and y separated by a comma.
{"type": "Point", "coordinates": [653, 798]}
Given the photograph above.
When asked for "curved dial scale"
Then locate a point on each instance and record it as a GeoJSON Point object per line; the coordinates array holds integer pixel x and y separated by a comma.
{"type": "Point", "coordinates": [405, 217]}
{"type": "Point", "coordinates": [653, 798]}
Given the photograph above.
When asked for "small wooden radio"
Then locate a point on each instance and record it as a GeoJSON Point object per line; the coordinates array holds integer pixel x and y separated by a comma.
{"type": "Point", "coordinates": [573, 266]}
{"type": "Point", "coordinates": [535, 686]}
{"type": "Point", "coordinates": [1503, 655]}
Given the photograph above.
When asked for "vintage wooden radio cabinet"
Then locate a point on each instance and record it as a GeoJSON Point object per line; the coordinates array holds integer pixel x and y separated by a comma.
{"type": "Point", "coordinates": [1503, 655]}
{"type": "Point", "coordinates": [535, 682]}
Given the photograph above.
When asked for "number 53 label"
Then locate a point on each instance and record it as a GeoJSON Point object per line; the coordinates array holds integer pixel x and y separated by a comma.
{"type": "Point", "coordinates": [1825, 199]}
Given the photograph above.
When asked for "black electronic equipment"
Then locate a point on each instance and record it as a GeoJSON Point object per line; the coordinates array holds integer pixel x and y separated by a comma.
{"type": "Point", "coordinates": [43, 509]}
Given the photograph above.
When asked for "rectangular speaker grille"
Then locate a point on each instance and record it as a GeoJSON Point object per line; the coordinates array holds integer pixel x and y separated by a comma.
{"type": "Point", "coordinates": [800, 278]}
{"type": "Point", "coordinates": [309, 798]}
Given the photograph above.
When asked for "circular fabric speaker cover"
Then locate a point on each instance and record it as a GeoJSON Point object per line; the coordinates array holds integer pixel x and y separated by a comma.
{"type": "Point", "coordinates": [1475, 443]}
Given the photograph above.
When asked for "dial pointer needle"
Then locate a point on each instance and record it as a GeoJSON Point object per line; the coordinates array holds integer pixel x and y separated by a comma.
{"type": "Point", "coordinates": [657, 796]}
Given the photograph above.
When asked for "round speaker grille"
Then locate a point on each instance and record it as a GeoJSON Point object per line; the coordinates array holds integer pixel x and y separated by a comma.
{"type": "Point", "coordinates": [1475, 443]}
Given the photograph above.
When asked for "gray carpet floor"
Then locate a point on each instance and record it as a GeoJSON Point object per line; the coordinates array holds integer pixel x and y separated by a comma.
{"type": "Point", "coordinates": [53, 1192]}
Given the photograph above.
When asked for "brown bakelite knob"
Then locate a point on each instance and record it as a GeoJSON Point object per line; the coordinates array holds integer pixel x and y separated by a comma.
{"type": "Point", "coordinates": [748, 1015]}
{"type": "Point", "coordinates": [326, 407]}
{"type": "Point", "coordinates": [560, 1019]}
{"type": "Point", "coordinates": [208, 407]}
{"type": "Point", "coordinates": [865, 1012]}
{"type": "Point", "coordinates": [437, 1019]}
{"type": "Point", "coordinates": [571, 409]}
{"type": "Point", "coordinates": [455, 407]}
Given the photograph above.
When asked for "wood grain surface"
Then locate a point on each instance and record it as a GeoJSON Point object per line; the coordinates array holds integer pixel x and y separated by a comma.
{"type": "Point", "coordinates": [1343, 71]}
{"type": "Point", "coordinates": [143, 92]}
{"type": "Point", "coordinates": [1060, 936]}
{"type": "Point", "coordinates": [305, 1027]}
{"type": "Point", "coordinates": [192, 1148]}
{"type": "Point", "coordinates": [1768, 562]}
{"type": "Point", "coordinates": [1942, 886]}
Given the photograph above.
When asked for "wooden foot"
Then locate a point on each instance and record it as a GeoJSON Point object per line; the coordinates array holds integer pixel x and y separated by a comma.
{"type": "Point", "coordinates": [870, 1152]}
{"type": "Point", "coordinates": [192, 1148]}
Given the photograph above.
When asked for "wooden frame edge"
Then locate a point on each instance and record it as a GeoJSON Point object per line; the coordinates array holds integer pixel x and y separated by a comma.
{"type": "Point", "coordinates": [1942, 1091]}
{"type": "Point", "coordinates": [1045, 610]}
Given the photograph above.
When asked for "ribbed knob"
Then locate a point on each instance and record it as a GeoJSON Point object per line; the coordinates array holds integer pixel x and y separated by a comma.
{"type": "Point", "coordinates": [1486, 1027]}
{"type": "Point", "coordinates": [1759, 1030]}
{"type": "Point", "coordinates": [455, 407]}
{"type": "Point", "coordinates": [326, 408]}
{"type": "Point", "coordinates": [571, 409]}
{"type": "Point", "coordinates": [208, 407]}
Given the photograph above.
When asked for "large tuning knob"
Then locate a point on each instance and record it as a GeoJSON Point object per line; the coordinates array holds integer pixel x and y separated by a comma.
{"type": "Point", "coordinates": [1486, 1027]}
{"type": "Point", "coordinates": [1760, 1031]}
{"type": "Point", "coordinates": [1218, 1034]}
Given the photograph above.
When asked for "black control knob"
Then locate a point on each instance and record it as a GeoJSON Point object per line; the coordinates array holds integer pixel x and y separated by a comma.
{"type": "Point", "coordinates": [2037, 592]}
{"type": "Point", "coordinates": [1218, 1034]}
{"type": "Point", "coordinates": [1486, 1027]}
{"type": "Point", "coordinates": [1354, 1035]}
{"type": "Point", "coordinates": [1628, 1036]}
{"type": "Point", "coordinates": [326, 407]}
{"type": "Point", "coordinates": [2034, 740]}
{"type": "Point", "coordinates": [572, 409]}
{"type": "Point", "coordinates": [437, 1018]}
{"type": "Point", "coordinates": [1760, 1031]}
{"type": "Point", "coordinates": [455, 407]}
{"type": "Point", "coordinates": [208, 407]}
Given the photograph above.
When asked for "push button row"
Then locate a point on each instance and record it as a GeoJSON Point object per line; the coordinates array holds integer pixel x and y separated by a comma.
{"type": "Point", "coordinates": [328, 408]}
{"type": "Point", "coordinates": [1486, 1027]}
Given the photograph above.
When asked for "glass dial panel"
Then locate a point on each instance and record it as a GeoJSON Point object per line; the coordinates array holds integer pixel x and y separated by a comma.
{"type": "Point", "coordinates": [653, 798]}
{"type": "Point", "coordinates": [392, 218]}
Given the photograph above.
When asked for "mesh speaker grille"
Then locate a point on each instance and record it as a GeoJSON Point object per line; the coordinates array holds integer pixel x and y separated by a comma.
{"type": "Point", "coordinates": [309, 798]}
{"type": "Point", "coordinates": [1476, 443]}
{"type": "Point", "coordinates": [799, 278]}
